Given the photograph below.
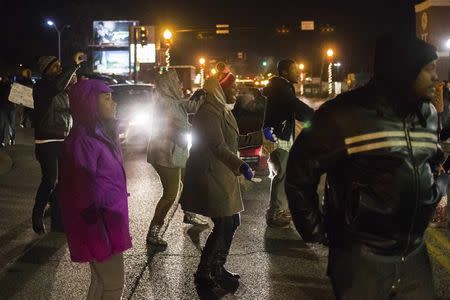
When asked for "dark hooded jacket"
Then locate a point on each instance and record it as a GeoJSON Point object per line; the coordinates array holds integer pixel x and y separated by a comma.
{"type": "Point", "coordinates": [51, 106]}
{"type": "Point", "coordinates": [380, 191]}
{"type": "Point", "coordinates": [283, 108]}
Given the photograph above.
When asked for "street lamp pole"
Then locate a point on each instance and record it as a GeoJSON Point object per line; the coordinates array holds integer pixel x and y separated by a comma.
{"type": "Point", "coordinates": [202, 62]}
{"type": "Point", "coordinates": [330, 54]}
{"type": "Point", "coordinates": [58, 31]}
{"type": "Point", "coordinates": [168, 43]}
{"type": "Point", "coordinates": [448, 47]}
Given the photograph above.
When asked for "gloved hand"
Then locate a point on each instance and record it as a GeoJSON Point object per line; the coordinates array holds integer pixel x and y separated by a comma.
{"type": "Point", "coordinates": [245, 170]}
{"type": "Point", "coordinates": [269, 135]}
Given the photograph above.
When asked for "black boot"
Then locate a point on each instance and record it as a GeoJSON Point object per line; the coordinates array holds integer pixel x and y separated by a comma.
{"type": "Point", "coordinates": [219, 272]}
{"type": "Point", "coordinates": [204, 278]}
{"type": "Point", "coordinates": [37, 218]}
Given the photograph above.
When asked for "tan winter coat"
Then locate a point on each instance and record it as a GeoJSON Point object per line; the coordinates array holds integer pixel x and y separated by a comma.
{"type": "Point", "coordinates": [211, 186]}
{"type": "Point", "coordinates": [168, 143]}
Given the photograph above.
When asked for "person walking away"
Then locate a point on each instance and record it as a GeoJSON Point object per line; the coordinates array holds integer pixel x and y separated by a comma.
{"type": "Point", "coordinates": [212, 183]}
{"type": "Point", "coordinates": [168, 150]}
{"type": "Point", "coordinates": [7, 113]}
{"type": "Point", "coordinates": [378, 146]}
{"type": "Point", "coordinates": [282, 109]}
{"type": "Point", "coordinates": [52, 125]}
{"type": "Point", "coordinates": [27, 113]}
{"type": "Point", "coordinates": [93, 190]}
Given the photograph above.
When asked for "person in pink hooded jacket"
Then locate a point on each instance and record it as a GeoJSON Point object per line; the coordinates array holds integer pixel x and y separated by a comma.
{"type": "Point", "coordinates": [94, 198]}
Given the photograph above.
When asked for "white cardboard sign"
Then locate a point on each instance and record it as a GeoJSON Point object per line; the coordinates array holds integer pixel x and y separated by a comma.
{"type": "Point", "coordinates": [21, 94]}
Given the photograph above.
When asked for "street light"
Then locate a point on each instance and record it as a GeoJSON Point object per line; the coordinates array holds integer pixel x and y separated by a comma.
{"type": "Point", "coordinates": [301, 66]}
{"type": "Point", "coordinates": [202, 62]}
{"type": "Point", "coordinates": [59, 31]}
{"type": "Point", "coordinates": [167, 34]}
{"type": "Point", "coordinates": [330, 54]}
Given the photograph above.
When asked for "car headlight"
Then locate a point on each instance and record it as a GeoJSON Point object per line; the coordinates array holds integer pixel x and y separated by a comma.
{"type": "Point", "coordinates": [140, 119]}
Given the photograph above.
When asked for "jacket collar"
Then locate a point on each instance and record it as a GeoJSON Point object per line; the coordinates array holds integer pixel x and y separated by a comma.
{"type": "Point", "coordinates": [228, 115]}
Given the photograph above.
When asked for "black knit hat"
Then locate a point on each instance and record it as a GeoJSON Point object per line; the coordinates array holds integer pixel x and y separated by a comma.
{"type": "Point", "coordinates": [398, 62]}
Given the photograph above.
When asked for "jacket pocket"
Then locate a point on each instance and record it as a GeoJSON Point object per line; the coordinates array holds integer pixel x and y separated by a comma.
{"type": "Point", "coordinates": [351, 209]}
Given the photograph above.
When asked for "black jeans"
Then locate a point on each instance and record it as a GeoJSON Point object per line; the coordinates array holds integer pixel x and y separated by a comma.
{"type": "Point", "coordinates": [8, 121]}
{"type": "Point", "coordinates": [219, 241]}
{"type": "Point", "coordinates": [355, 275]}
{"type": "Point", "coordinates": [47, 154]}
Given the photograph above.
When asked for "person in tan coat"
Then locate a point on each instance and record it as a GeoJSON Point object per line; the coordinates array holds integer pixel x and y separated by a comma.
{"type": "Point", "coordinates": [168, 150]}
{"type": "Point", "coordinates": [212, 183]}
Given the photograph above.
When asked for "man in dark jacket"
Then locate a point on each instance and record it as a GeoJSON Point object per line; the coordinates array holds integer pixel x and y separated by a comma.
{"type": "Point", "coordinates": [378, 146]}
{"type": "Point", "coordinates": [7, 113]}
{"type": "Point", "coordinates": [283, 108]}
{"type": "Point", "coordinates": [52, 124]}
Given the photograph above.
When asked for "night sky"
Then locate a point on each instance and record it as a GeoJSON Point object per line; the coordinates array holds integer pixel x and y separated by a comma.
{"type": "Point", "coordinates": [26, 37]}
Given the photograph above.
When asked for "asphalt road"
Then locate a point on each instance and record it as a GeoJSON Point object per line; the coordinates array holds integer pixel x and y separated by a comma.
{"type": "Point", "coordinates": [273, 263]}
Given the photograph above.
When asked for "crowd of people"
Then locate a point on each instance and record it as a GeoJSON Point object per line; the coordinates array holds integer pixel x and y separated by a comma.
{"type": "Point", "coordinates": [378, 146]}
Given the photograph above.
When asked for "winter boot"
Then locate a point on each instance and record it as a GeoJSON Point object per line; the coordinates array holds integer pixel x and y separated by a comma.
{"type": "Point", "coordinates": [37, 218]}
{"type": "Point", "coordinates": [153, 237]}
{"type": "Point", "coordinates": [219, 272]}
{"type": "Point", "coordinates": [193, 219]}
{"type": "Point", "coordinates": [280, 219]}
{"type": "Point", "coordinates": [203, 277]}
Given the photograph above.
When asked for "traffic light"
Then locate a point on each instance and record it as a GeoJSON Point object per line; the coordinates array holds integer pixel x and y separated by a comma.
{"type": "Point", "coordinates": [143, 38]}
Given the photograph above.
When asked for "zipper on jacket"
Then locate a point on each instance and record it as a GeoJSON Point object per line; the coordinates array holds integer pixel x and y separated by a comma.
{"type": "Point", "coordinates": [416, 185]}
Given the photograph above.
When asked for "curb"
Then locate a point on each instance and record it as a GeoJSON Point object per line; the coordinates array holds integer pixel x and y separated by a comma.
{"type": "Point", "coordinates": [5, 162]}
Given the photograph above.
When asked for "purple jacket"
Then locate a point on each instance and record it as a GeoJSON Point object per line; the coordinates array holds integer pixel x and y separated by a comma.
{"type": "Point", "coordinates": [93, 190]}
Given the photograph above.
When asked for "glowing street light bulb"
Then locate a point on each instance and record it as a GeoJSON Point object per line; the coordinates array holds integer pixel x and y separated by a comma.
{"type": "Point", "coordinates": [330, 52]}
{"type": "Point", "coordinates": [301, 66]}
{"type": "Point", "coordinates": [202, 61]}
{"type": "Point", "coordinates": [167, 34]}
{"type": "Point", "coordinates": [213, 71]}
{"type": "Point", "coordinates": [50, 23]}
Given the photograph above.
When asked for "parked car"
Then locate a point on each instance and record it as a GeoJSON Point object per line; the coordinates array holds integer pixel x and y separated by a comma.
{"type": "Point", "coordinates": [134, 111]}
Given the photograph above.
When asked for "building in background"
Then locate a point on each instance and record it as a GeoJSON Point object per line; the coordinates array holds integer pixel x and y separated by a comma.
{"type": "Point", "coordinates": [433, 26]}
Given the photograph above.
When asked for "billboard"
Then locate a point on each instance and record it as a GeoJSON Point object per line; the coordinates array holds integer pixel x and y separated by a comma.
{"type": "Point", "coordinates": [111, 61]}
{"type": "Point", "coordinates": [112, 33]}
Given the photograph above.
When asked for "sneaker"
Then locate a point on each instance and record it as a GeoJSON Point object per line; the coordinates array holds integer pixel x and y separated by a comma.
{"type": "Point", "coordinates": [193, 219]}
{"type": "Point", "coordinates": [12, 142]}
{"type": "Point", "coordinates": [280, 220]}
{"type": "Point", "coordinates": [2, 145]}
